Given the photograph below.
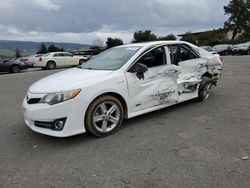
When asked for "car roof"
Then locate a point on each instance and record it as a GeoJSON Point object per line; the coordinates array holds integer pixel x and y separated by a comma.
{"type": "Point", "coordinates": [56, 52]}
{"type": "Point", "coordinates": [147, 44]}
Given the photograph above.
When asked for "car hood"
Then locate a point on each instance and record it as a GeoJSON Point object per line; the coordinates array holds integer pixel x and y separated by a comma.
{"type": "Point", "coordinates": [75, 78]}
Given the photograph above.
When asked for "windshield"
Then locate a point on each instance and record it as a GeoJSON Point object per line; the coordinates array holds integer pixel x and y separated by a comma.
{"type": "Point", "coordinates": [45, 55]}
{"type": "Point", "coordinates": [112, 59]}
{"type": "Point", "coordinates": [244, 45]}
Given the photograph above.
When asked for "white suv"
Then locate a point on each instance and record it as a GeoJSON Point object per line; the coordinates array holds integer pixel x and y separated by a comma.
{"type": "Point", "coordinates": [58, 59]}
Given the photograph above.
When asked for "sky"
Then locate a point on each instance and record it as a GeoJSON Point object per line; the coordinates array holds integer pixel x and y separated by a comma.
{"type": "Point", "coordinates": [84, 21]}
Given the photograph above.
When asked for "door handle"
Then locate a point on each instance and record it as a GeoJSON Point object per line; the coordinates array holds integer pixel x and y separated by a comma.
{"type": "Point", "coordinates": [172, 71]}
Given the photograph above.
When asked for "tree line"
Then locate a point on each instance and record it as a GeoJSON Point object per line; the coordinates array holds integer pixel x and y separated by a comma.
{"type": "Point", "coordinates": [139, 36]}
{"type": "Point", "coordinates": [238, 24]}
{"type": "Point", "coordinates": [52, 48]}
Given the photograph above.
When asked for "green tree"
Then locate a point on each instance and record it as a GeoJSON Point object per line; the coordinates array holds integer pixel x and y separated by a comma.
{"type": "Point", "coordinates": [53, 48]}
{"type": "Point", "coordinates": [111, 42]}
{"type": "Point", "coordinates": [97, 45]}
{"type": "Point", "coordinates": [189, 37]}
{"type": "Point", "coordinates": [42, 49]}
{"type": "Point", "coordinates": [168, 37]}
{"type": "Point", "coordinates": [143, 36]}
{"type": "Point", "coordinates": [17, 53]}
{"type": "Point", "coordinates": [239, 16]}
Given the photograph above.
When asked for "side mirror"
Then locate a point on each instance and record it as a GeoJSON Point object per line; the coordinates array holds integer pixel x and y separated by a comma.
{"type": "Point", "coordinates": [139, 69]}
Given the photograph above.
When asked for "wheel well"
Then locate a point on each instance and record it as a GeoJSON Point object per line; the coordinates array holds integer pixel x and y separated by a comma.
{"type": "Point", "coordinates": [120, 98]}
{"type": "Point", "coordinates": [51, 61]}
{"type": "Point", "coordinates": [13, 66]}
{"type": "Point", "coordinates": [207, 74]}
{"type": "Point", "coordinates": [81, 60]}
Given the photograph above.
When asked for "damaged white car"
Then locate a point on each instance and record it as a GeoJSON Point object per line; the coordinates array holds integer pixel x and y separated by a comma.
{"type": "Point", "coordinates": [123, 82]}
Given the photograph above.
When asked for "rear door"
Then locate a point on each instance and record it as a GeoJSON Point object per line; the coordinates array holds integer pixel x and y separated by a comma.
{"type": "Point", "coordinates": [191, 65]}
{"type": "Point", "coordinates": [158, 87]}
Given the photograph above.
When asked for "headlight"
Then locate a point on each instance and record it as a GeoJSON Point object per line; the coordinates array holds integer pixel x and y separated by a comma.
{"type": "Point", "coordinates": [55, 98]}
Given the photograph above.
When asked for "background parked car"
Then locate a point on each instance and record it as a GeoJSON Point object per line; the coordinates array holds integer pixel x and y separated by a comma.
{"type": "Point", "coordinates": [208, 48]}
{"type": "Point", "coordinates": [12, 66]}
{"type": "Point", "coordinates": [30, 60]}
{"type": "Point", "coordinates": [223, 49]}
{"type": "Point", "coordinates": [58, 59]}
{"type": "Point", "coordinates": [241, 49]}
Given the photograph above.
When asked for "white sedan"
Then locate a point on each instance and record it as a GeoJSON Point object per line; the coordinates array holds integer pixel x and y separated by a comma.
{"type": "Point", "coordinates": [58, 59]}
{"type": "Point", "coordinates": [123, 82]}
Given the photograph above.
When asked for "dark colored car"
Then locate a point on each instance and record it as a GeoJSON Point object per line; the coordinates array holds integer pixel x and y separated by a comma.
{"type": "Point", "coordinates": [241, 49]}
{"type": "Point", "coordinates": [223, 49]}
{"type": "Point", "coordinates": [12, 66]}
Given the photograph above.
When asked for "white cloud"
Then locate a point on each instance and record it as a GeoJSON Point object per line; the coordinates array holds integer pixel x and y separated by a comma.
{"type": "Point", "coordinates": [13, 30]}
{"type": "Point", "coordinates": [83, 21]}
{"type": "Point", "coordinates": [47, 5]}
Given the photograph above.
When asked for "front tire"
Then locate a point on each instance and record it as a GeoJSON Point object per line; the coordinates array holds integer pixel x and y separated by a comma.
{"type": "Point", "coordinates": [15, 69]}
{"type": "Point", "coordinates": [104, 116]}
{"type": "Point", "coordinates": [81, 61]}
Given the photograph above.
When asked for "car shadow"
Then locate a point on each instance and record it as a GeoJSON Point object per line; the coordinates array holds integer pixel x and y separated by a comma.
{"type": "Point", "coordinates": [156, 114]}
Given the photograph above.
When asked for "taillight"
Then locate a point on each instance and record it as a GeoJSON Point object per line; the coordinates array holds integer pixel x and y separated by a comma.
{"type": "Point", "coordinates": [40, 59]}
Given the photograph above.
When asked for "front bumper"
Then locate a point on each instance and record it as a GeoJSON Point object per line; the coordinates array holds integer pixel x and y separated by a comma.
{"type": "Point", "coordinates": [74, 110]}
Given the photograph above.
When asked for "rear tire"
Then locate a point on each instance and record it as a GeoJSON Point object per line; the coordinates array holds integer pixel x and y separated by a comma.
{"type": "Point", "coordinates": [104, 116]}
{"type": "Point", "coordinates": [15, 69]}
{"type": "Point", "coordinates": [204, 89]}
{"type": "Point", "coordinates": [50, 65]}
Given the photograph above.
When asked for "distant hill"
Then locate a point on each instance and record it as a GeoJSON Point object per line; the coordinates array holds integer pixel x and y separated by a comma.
{"type": "Point", "coordinates": [7, 47]}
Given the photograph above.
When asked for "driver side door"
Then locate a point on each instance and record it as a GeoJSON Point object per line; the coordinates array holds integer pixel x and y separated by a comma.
{"type": "Point", "coordinates": [157, 86]}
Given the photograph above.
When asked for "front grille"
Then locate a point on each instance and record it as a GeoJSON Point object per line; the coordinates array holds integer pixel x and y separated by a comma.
{"type": "Point", "coordinates": [34, 100]}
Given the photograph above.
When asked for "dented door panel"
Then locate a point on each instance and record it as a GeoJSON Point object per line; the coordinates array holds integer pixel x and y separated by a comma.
{"type": "Point", "coordinates": [191, 73]}
{"type": "Point", "coordinates": [158, 87]}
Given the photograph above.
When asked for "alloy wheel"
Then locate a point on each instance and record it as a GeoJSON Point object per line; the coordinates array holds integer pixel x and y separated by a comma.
{"type": "Point", "coordinates": [106, 116]}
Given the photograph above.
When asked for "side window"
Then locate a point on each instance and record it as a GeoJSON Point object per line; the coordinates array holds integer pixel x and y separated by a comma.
{"type": "Point", "coordinates": [67, 55]}
{"type": "Point", "coordinates": [155, 57]}
{"type": "Point", "coordinates": [58, 55]}
{"type": "Point", "coordinates": [180, 53]}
